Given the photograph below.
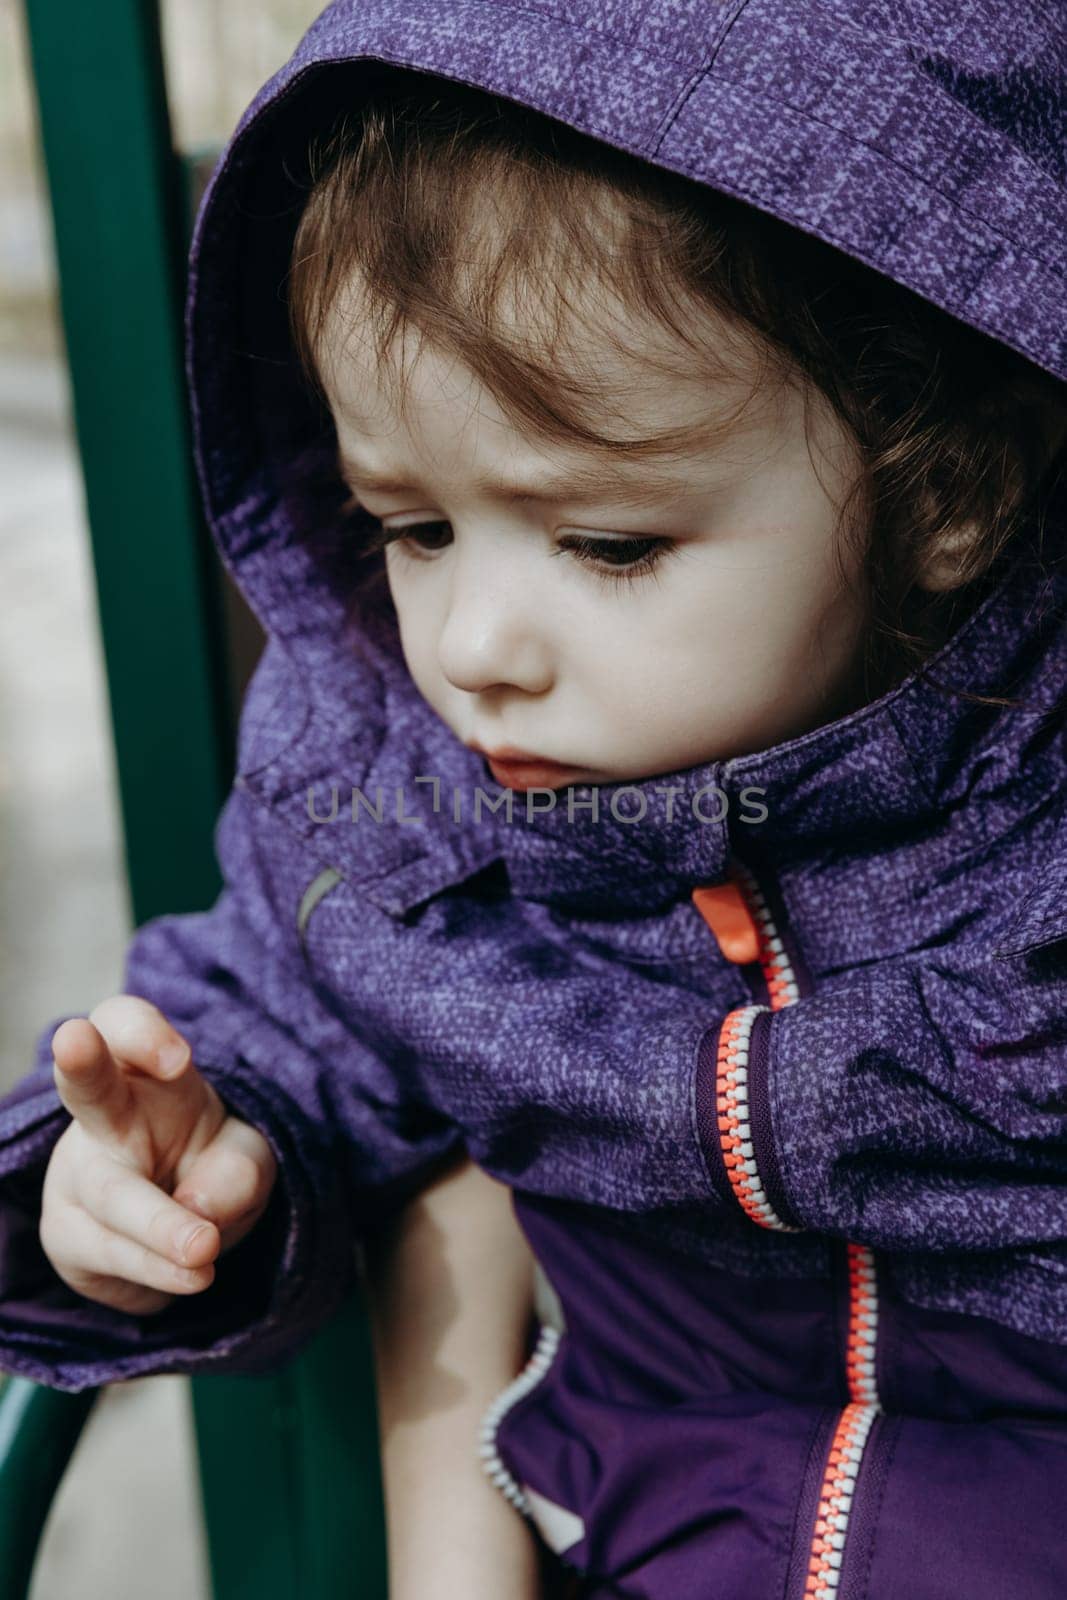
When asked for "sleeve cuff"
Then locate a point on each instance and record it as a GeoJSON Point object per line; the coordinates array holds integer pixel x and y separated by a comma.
{"type": "Point", "coordinates": [734, 1117]}
{"type": "Point", "coordinates": [271, 1293]}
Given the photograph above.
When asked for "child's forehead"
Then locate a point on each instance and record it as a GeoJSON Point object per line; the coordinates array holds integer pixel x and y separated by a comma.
{"type": "Point", "coordinates": [635, 376]}
{"type": "Point", "coordinates": [586, 327]}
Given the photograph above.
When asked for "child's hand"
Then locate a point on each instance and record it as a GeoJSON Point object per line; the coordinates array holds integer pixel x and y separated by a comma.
{"type": "Point", "coordinates": [146, 1127]}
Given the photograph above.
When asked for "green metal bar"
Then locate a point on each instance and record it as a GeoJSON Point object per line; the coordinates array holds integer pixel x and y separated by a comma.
{"type": "Point", "coordinates": [343, 1514]}
{"type": "Point", "coordinates": [290, 1476]}
{"type": "Point", "coordinates": [39, 1429]}
{"type": "Point", "coordinates": [119, 235]}
{"type": "Point", "coordinates": [117, 192]}
{"type": "Point", "coordinates": [289, 1464]}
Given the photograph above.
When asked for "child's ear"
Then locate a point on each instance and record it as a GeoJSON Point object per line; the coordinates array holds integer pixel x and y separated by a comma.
{"type": "Point", "coordinates": [944, 567]}
{"type": "Point", "coordinates": [948, 564]}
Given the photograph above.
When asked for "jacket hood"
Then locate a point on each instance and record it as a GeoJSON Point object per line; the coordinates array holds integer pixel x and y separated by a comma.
{"type": "Point", "coordinates": [926, 140]}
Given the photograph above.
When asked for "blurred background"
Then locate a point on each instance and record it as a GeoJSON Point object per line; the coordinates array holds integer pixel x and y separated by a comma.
{"type": "Point", "coordinates": [129, 1504]}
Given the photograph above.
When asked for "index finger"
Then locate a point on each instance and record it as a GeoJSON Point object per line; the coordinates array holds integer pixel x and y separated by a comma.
{"type": "Point", "coordinates": [94, 1055]}
{"type": "Point", "coordinates": [87, 1078]}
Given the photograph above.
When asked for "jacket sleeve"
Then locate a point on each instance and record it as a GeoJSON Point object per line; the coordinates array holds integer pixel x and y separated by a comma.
{"type": "Point", "coordinates": [918, 1104]}
{"type": "Point", "coordinates": [348, 1139]}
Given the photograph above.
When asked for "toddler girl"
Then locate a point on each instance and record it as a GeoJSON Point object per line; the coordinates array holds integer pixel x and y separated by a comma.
{"type": "Point", "coordinates": [639, 434]}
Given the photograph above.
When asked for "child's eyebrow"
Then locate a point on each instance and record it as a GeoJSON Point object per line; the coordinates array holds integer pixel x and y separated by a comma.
{"type": "Point", "coordinates": [581, 484]}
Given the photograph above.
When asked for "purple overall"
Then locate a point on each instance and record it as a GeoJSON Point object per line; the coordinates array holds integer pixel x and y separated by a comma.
{"type": "Point", "coordinates": [803, 1204]}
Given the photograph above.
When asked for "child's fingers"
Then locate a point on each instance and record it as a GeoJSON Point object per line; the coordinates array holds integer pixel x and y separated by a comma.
{"type": "Point", "coordinates": [230, 1180]}
{"type": "Point", "coordinates": [127, 1204]}
{"type": "Point", "coordinates": [86, 1078]}
{"type": "Point", "coordinates": [88, 1053]}
{"type": "Point", "coordinates": [139, 1035]}
{"type": "Point", "coordinates": [129, 1297]}
{"type": "Point", "coordinates": [93, 1252]}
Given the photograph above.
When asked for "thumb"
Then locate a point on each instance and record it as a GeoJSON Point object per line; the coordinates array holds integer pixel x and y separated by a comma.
{"type": "Point", "coordinates": [229, 1181]}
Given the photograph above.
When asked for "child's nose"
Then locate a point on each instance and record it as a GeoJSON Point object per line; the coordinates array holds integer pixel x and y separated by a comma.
{"type": "Point", "coordinates": [494, 633]}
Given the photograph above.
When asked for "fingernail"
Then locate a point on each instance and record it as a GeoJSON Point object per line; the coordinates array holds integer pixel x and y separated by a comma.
{"type": "Point", "coordinates": [173, 1056]}
{"type": "Point", "coordinates": [188, 1236]}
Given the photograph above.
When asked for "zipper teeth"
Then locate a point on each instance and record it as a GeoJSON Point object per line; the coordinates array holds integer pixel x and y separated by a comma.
{"type": "Point", "coordinates": [533, 1372]}
{"type": "Point", "coordinates": [835, 1501]}
{"type": "Point", "coordinates": [735, 1127]}
{"type": "Point", "coordinates": [731, 1085]}
{"type": "Point", "coordinates": [862, 1327]}
{"type": "Point", "coordinates": [847, 1447]}
{"type": "Point", "coordinates": [778, 973]}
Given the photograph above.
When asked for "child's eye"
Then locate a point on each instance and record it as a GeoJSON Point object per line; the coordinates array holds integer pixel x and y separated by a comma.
{"type": "Point", "coordinates": [624, 559]}
{"type": "Point", "coordinates": [619, 560]}
{"type": "Point", "coordinates": [380, 536]}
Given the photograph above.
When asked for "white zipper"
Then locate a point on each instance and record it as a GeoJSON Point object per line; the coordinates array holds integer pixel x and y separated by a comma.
{"type": "Point", "coordinates": [532, 1374]}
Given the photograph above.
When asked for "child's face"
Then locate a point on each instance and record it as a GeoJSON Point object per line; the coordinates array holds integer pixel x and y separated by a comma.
{"type": "Point", "coordinates": [741, 634]}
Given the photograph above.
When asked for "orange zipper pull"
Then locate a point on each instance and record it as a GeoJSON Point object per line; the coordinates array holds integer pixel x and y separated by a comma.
{"type": "Point", "coordinates": [726, 912]}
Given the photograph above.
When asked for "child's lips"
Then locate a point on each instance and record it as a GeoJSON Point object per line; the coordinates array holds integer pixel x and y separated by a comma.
{"type": "Point", "coordinates": [530, 774]}
{"type": "Point", "coordinates": [520, 769]}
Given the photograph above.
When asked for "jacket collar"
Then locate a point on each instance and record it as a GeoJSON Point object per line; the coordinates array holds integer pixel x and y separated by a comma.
{"type": "Point", "coordinates": [913, 761]}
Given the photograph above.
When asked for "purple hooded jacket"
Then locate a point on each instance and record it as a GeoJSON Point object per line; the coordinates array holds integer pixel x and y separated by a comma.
{"type": "Point", "coordinates": [803, 1202]}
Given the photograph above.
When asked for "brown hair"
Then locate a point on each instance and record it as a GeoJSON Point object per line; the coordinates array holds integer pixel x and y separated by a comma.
{"type": "Point", "coordinates": [455, 205]}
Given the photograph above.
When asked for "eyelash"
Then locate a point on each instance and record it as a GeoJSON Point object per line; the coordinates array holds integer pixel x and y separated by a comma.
{"type": "Point", "coordinates": [646, 552]}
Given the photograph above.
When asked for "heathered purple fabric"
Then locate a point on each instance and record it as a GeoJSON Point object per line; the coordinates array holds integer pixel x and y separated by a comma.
{"type": "Point", "coordinates": [542, 989]}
